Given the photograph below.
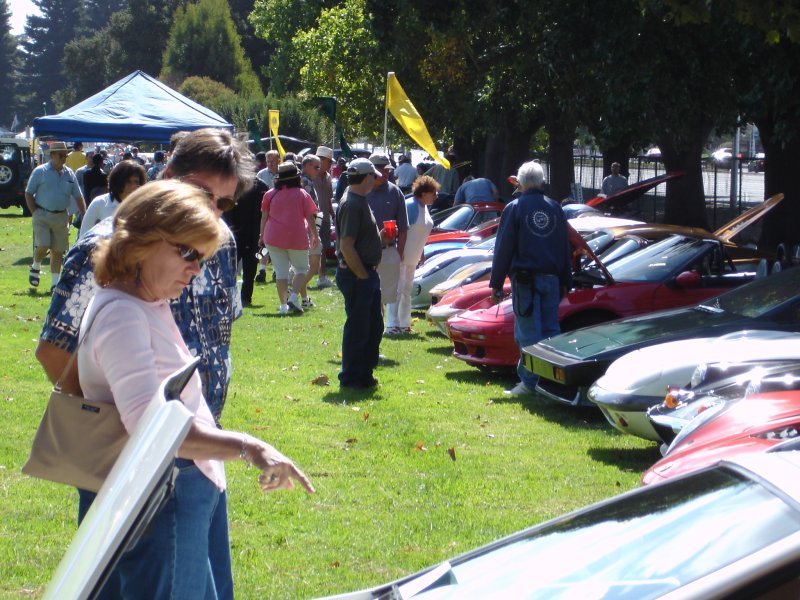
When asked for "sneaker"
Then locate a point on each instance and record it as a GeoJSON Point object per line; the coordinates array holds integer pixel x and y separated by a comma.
{"type": "Point", "coordinates": [308, 303]}
{"type": "Point", "coordinates": [324, 282]}
{"type": "Point", "coordinates": [518, 390]}
{"type": "Point", "coordinates": [33, 277]}
{"type": "Point", "coordinates": [404, 330]}
{"type": "Point", "coordinates": [261, 277]}
{"type": "Point", "coordinates": [392, 331]}
{"type": "Point", "coordinates": [294, 305]}
{"type": "Point", "coordinates": [283, 309]}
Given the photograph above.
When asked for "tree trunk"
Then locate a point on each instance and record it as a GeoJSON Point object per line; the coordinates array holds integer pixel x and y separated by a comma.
{"type": "Point", "coordinates": [562, 162]}
{"type": "Point", "coordinates": [781, 224]}
{"type": "Point", "coordinates": [686, 200]}
{"type": "Point", "coordinates": [516, 150]}
{"type": "Point", "coordinates": [493, 168]}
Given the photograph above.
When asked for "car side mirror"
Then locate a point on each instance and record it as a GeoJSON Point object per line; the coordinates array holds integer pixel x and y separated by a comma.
{"type": "Point", "coordinates": [688, 280]}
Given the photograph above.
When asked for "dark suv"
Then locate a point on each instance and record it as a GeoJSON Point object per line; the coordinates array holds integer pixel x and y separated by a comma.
{"type": "Point", "coordinates": [15, 168]}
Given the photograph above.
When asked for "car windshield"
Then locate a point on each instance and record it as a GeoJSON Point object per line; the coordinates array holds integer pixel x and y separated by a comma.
{"type": "Point", "coordinates": [457, 220]}
{"type": "Point", "coordinates": [641, 546]}
{"type": "Point", "coordinates": [659, 261]}
{"type": "Point", "coordinates": [759, 297]}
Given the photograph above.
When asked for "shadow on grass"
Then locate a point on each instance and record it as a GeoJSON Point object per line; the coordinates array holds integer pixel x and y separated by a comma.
{"type": "Point", "coordinates": [26, 260]}
{"type": "Point", "coordinates": [627, 459]}
{"type": "Point", "coordinates": [443, 350]}
{"type": "Point", "coordinates": [13, 216]}
{"type": "Point", "coordinates": [349, 395]}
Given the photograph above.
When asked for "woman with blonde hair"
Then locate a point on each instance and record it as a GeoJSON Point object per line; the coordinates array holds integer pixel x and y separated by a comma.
{"type": "Point", "coordinates": [162, 233]}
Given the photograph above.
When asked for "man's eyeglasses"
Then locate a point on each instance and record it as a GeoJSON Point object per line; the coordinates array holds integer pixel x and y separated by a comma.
{"type": "Point", "coordinates": [223, 203]}
{"type": "Point", "coordinates": [189, 254]}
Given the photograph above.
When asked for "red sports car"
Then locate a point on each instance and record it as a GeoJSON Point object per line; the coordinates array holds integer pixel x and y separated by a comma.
{"type": "Point", "coordinates": [730, 429]}
{"type": "Point", "coordinates": [460, 221]}
{"type": "Point", "coordinates": [678, 271]}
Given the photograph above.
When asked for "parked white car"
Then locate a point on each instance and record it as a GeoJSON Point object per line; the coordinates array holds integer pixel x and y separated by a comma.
{"type": "Point", "coordinates": [638, 380]}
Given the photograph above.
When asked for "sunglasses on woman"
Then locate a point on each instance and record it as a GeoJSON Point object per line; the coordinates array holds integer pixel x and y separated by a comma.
{"type": "Point", "coordinates": [189, 254]}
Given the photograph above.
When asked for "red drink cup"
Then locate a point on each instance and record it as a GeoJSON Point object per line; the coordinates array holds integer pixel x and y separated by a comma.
{"type": "Point", "coordinates": [390, 229]}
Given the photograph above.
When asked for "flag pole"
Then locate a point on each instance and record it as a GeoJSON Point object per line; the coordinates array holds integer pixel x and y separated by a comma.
{"type": "Point", "coordinates": [386, 109]}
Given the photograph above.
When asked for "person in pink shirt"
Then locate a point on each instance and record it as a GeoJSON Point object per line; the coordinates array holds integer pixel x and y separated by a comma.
{"type": "Point", "coordinates": [162, 233]}
{"type": "Point", "coordinates": [288, 231]}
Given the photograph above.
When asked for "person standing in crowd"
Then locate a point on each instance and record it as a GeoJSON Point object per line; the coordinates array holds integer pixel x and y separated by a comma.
{"type": "Point", "coordinates": [261, 161]}
{"type": "Point", "coordinates": [76, 159]}
{"type": "Point", "coordinates": [216, 162]}
{"type": "Point", "coordinates": [323, 185]}
{"type": "Point", "coordinates": [449, 179]}
{"type": "Point", "coordinates": [476, 190]}
{"type": "Point", "coordinates": [135, 156]}
{"type": "Point", "coordinates": [614, 182]}
{"type": "Point", "coordinates": [287, 225]}
{"type": "Point", "coordinates": [158, 165]}
{"type": "Point", "coordinates": [130, 344]}
{"type": "Point", "coordinates": [388, 204]}
{"type": "Point", "coordinates": [267, 175]}
{"type": "Point", "coordinates": [95, 180]}
{"type": "Point", "coordinates": [420, 225]}
{"type": "Point", "coordinates": [126, 177]}
{"type": "Point", "coordinates": [532, 247]}
{"type": "Point", "coordinates": [358, 251]}
{"type": "Point", "coordinates": [405, 174]}
{"type": "Point", "coordinates": [311, 168]}
{"type": "Point", "coordinates": [50, 188]}
{"type": "Point", "coordinates": [244, 221]}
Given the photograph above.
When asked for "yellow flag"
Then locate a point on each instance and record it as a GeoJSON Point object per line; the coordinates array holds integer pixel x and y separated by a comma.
{"type": "Point", "coordinates": [274, 121]}
{"type": "Point", "coordinates": [404, 112]}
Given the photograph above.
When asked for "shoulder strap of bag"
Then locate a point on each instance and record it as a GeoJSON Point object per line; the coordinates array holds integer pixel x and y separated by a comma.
{"type": "Point", "coordinates": [73, 357]}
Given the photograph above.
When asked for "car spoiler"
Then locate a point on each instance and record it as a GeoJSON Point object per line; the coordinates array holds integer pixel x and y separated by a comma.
{"type": "Point", "coordinates": [747, 218]}
{"type": "Point", "coordinates": [578, 243]}
{"type": "Point", "coordinates": [632, 192]}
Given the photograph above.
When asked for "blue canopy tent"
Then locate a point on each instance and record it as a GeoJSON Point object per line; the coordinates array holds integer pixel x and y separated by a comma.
{"type": "Point", "coordinates": [137, 108]}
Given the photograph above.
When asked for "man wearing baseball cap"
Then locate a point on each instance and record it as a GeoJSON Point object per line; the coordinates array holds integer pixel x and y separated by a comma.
{"type": "Point", "coordinates": [358, 253]}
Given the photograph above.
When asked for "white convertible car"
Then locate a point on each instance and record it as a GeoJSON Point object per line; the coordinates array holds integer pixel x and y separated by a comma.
{"type": "Point", "coordinates": [641, 379]}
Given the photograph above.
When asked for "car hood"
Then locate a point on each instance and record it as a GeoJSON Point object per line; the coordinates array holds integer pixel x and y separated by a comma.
{"type": "Point", "coordinates": [632, 192]}
{"type": "Point", "coordinates": [612, 339]}
{"type": "Point", "coordinates": [652, 368]}
{"type": "Point", "coordinates": [728, 231]}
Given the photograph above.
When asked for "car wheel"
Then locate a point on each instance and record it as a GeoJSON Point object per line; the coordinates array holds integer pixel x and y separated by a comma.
{"type": "Point", "coordinates": [8, 176]}
{"type": "Point", "coordinates": [782, 254]}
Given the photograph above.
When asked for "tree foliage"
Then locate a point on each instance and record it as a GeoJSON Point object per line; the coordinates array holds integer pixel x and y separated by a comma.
{"type": "Point", "coordinates": [338, 59]}
{"type": "Point", "coordinates": [206, 91]}
{"type": "Point", "coordinates": [9, 63]}
{"type": "Point", "coordinates": [46, 35]}
{"type": "Point", "coordinates": [203, 42]}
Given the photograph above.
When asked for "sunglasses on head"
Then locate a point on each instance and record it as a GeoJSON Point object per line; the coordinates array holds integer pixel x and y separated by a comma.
{"type": "Point", "coordinates": [189, 254]}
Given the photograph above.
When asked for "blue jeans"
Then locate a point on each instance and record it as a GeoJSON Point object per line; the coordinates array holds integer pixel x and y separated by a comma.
{"type": "Point", "coordinates": [535, 316]}
{"type": "Point", "coordinates": [185, 552]}
{"type": "Point", "coordinates": [363, 325]}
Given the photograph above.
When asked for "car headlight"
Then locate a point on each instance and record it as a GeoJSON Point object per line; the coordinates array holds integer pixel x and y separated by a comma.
{"type": "Point", "coordinates": [699, 375]}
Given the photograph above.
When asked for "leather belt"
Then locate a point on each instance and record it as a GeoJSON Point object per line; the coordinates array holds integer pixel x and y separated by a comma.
{"type": "Point", "coordinates": [343, 265]}
{"type": "Point", "coordinates": [51, 211]}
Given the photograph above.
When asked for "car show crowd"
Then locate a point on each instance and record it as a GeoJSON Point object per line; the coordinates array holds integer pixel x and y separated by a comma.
{"type": "Point", "coordinates": [707, 326]}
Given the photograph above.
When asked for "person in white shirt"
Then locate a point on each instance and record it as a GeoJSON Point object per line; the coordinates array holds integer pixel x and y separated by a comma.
{"type": "Point", "coordinates": [405, 174]}
{"type": "Point", "coordinates": [125, 178]}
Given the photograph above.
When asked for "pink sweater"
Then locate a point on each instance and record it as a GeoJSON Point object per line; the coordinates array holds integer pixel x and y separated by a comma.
{"type": "Point", "coordinates": [131, 347]}
{"type": "Point", "coordinates": [288, 209]}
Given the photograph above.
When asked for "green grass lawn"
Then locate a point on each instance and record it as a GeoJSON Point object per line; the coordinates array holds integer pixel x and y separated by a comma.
{"type": "Point", "coordinates": [433, 463]}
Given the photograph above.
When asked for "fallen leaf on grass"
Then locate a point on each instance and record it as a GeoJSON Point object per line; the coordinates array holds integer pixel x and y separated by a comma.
{"type": "Point", "coordinates": [295, 367]}
{"type": "Point", "coordinates": [321, 379]}
{"type": "Point", "coordinates": [351, 440]}
{"type": "Point", "coordinates": [420, 447]}
{"type": "Point", "coordinates": [335, 564]}
{"type": "Point", "coordinates": [366, 416]}
{"type": "Point", "coordinates": [452, 453]}
{"type": "Point", "coordinates": [420, 381]}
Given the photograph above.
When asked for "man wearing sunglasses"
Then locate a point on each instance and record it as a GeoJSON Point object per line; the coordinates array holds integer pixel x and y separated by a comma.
{"type": "Point", "coordinates": [215, 162]}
